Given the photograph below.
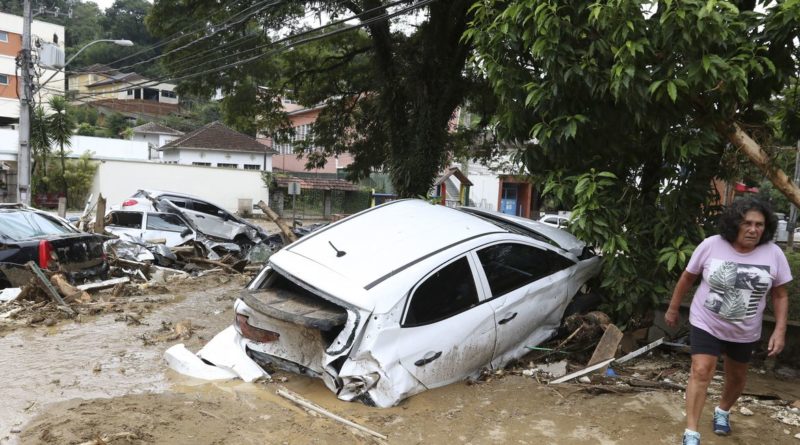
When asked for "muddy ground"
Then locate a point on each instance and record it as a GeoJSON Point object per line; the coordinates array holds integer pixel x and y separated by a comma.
{"type": "Point", "coordinates": [100, 378]}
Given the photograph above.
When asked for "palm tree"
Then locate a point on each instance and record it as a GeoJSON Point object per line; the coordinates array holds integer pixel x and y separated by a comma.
{"type": "Point", "coordinates": [61, 126]}
{"type": "Point", "coordinates": [40, 146]}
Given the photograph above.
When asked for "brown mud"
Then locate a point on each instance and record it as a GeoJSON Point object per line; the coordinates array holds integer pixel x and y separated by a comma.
{"type": "Point", "coordinates": [101, 379]}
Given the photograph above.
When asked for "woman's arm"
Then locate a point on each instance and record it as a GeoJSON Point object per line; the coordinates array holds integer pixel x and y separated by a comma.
{"type": "Point", "coordinates": [685, 282]}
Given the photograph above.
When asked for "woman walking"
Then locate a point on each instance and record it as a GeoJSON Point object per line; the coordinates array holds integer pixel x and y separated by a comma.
{"type": "Point", "coordinates": [739, 268]}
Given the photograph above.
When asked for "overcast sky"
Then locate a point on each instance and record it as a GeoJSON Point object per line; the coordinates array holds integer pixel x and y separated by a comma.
{"type": "Point", "coordinates": [103, 4]}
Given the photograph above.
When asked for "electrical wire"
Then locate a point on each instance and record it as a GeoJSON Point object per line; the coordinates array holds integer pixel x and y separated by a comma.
{"type": "Point", "coordinates": [282, 48]}
{"type": "Point", "coordinates": [180, 34]}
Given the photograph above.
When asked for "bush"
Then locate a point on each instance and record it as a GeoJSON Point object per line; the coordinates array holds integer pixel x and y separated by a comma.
{"type": "Point", "coordinates": [794, 286]}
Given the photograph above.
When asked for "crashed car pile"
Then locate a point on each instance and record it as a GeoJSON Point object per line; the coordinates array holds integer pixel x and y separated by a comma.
{"type": "Point", "coordinates": [174, 230]}
{"type": "Point", "coordinates": [401, 298]}
{"type": "Point", "coordinates": [157, 237]}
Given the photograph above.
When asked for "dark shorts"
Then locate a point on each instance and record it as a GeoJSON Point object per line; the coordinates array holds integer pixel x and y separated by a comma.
{"type": "Point", "coordinates": [704, 343]}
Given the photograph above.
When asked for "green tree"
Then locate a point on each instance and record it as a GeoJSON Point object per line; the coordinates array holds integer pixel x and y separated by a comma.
{"type": "Point", "coordinates": [629, 105]}
{"type": "Point", "coordinates": [60, 127]}
{"type": "Point", "coordinates": [387, 92]}
{"type": "Point", "coordinates": [40, 149]}
{"type": "Point", "coordinates": [116, 124]}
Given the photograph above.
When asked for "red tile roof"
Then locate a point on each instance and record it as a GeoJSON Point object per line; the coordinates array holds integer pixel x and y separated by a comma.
{"type": "Point", "coordinates": [217, 136]}
{"type": "Point", "coordinates": [317, 183]}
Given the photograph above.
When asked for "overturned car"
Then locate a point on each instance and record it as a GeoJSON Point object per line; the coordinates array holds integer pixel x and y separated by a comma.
{"type": "Point", "coordinates": [409, 296]}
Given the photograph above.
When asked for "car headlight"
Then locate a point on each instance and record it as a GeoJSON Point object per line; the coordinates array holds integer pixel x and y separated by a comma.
{"type": "Point", "coordinates": [356, 385]}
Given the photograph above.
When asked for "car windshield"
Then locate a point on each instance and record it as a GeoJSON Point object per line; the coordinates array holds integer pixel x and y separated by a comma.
{"type": "Point", "coordinates": [26, 225]}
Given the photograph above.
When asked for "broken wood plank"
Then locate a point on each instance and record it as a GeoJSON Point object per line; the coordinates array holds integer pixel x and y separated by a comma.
{"type": "Point", "coordinates": [47, 287]}
{"type": "Point", "coordinates": [213, 263]}
{"type": "Point", "coordinates": [100, 216]}
{"type": "Point", "coordinates": [288, 235]}
{"type": "Point", "coordinates": [640, 351]}
{"type": "Point", "coordinates": [582, 372]}
{"type": "Point", "coordinates": [607, 347]}
{"type": "Point", "coordinates": [70, 292]}
{"type": "Point", "coordinates": [306, 404]}
{"type": "Point", "coordinates": [103, 284]}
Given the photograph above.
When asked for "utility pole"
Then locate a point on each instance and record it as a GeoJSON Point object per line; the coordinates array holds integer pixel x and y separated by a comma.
{"type": "Point", "coordinates": [24, 129]}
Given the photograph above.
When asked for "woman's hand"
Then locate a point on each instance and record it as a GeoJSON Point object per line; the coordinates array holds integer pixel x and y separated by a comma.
{"type": "Point", "coordinates": [671, 317]}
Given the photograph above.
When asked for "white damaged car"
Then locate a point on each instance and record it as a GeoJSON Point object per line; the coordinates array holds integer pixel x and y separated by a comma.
{"type": "Point", "coordinates": [409, 296]}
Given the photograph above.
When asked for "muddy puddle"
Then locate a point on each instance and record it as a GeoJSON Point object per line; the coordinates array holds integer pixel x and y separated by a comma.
{"type": "Point", "coordinates": [104, 356]}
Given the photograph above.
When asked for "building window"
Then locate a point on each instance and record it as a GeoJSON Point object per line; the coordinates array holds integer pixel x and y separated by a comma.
{"type": "Point", "coordinates": [3, 79]}
{"type": "Point", "coordinates": [167, 93]}
{"type": "Point", "coordinates": [225, 165]}
{"type": "Point", "coordinates": [3, 36]}
{"type": "Point", "coordinates": [301, 133]}
{"type": "Point", "coordinates": [202, 164]}
{"type": "Point", "coordinates": [130, 92]}
{"type": "Point", "coordinates": [252, 167]}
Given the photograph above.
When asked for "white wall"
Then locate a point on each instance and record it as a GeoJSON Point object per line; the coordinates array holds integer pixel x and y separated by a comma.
{"type": "Point", "coordinates": [103, 148]}
{"type": "Point", "coordinates": [118, 180]}
{"type": "Point", "coordinates": [106, 148]}
{"type": "Point", "coordinates": [188, 156]}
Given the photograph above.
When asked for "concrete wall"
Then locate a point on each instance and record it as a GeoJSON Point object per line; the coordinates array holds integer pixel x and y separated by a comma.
{"type": "Point", "coordinates": [102, 148]}
{"type": "Point", "coordinates": [105, 148]}
{"type": "Point", "coordinates": [118, 180]}
{"type": "Point", "coordinates": [188, 156]}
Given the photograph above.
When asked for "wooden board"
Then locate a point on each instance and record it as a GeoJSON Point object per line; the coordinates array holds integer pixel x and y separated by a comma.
{"type": "Point", "coordinates": [607, 347]}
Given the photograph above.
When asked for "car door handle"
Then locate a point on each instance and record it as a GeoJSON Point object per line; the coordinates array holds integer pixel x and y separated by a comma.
{"type": "Point", "coordinates": [506, 320]}
{"type": "Point", "coordinates": [200, 216]}
{"type": "Point", "coordinates": [429, 357]}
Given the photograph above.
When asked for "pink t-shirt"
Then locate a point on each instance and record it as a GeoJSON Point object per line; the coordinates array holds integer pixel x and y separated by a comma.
{"type": "Point", "coordinates": [729, 303]}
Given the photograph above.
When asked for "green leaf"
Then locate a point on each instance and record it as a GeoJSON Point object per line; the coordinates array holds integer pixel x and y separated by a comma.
{"type": "Point", "coordinates": [672, 90]}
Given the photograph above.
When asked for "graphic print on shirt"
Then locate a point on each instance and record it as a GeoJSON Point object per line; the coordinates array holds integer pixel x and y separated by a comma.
{"type": "Point", "coordinates": [736, 289]}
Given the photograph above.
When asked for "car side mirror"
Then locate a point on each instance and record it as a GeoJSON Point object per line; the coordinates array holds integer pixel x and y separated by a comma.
{"type": "Point", "coordinates": [186, 232]}
{"type": "Point", "coordinates": [222, 215]}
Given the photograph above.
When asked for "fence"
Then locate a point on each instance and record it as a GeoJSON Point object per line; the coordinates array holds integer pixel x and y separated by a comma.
{"type": "Point", "coordinates": [310, 204]}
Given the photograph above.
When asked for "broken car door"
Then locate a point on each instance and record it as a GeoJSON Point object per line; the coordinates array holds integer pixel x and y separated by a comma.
{"type": "Point", "coordinates": [527, 286]}
{"type": "Point", "coordinates": [213, 221]}
{"type": "Point", "coordinates": [167, 226]}
{"type": "Point", "coordinates": [121, 222]}
{"type": "Point", "coordinates": [447, 335]}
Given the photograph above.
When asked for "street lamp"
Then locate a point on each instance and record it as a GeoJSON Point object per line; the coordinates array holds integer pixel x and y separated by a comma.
{"type": "Point", "coordinates": [26, 89]}
{"type": "Point", "coordinates": [114, 41]}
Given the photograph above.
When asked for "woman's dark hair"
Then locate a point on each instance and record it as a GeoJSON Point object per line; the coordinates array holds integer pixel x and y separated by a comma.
{"type": "Point", "coordinates": [733, 215]}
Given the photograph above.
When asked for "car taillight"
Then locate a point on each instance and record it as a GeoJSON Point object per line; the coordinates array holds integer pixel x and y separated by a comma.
{"type": "Point", "coordinates": [45, 253]}
{"type": "Point", "coordinates": [253, 333]}
{"type": "Point", "coordinates": [130, 202]}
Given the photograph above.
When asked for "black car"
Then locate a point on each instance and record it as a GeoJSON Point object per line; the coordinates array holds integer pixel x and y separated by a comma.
{"type": "Point", "coordinates": [28, 234]}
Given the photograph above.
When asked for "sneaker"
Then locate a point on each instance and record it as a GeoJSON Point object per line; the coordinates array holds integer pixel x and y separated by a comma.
{"type": "Point", "coordinates": [721, 424]}
{"type": "Point", "coordinates": [691, 438]}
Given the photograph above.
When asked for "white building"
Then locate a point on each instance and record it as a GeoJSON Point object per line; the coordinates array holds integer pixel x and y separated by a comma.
{"type": "Point", "coordinates": [216, 145]}
{"type": "Point", "coordinates": [10, 46]}
{"type": "Point", "coordinates": [156, 136]}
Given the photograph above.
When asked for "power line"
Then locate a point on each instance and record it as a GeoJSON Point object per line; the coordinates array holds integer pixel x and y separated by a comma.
{"type": "Point", "coordinates": [279, 49]}
{"type": "Point", "coordinates": [183, 32]}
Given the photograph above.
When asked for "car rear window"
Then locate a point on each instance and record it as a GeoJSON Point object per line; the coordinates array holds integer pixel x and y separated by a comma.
{"type": "Point", "coordinates": [165, 221]}
{"type": "Point", "coordinates": [25, 225]}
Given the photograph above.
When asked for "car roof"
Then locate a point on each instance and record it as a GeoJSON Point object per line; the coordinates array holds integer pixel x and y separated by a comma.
{"type": "Point", "coordinates": [383, 240]}
{"type": "Point", "coordinates": [157, 193]}
{"type": "Point", "coordinates": [559, 237]}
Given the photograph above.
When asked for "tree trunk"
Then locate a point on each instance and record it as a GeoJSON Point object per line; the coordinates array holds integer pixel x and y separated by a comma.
{"type": "Point", "coordinates": [749, 147]}
{"type": "Point", "coordinates": [64, 174]}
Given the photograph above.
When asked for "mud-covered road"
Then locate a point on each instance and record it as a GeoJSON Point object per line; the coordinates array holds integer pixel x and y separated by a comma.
{"type": "Point", "coordinates": [101, 379]}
